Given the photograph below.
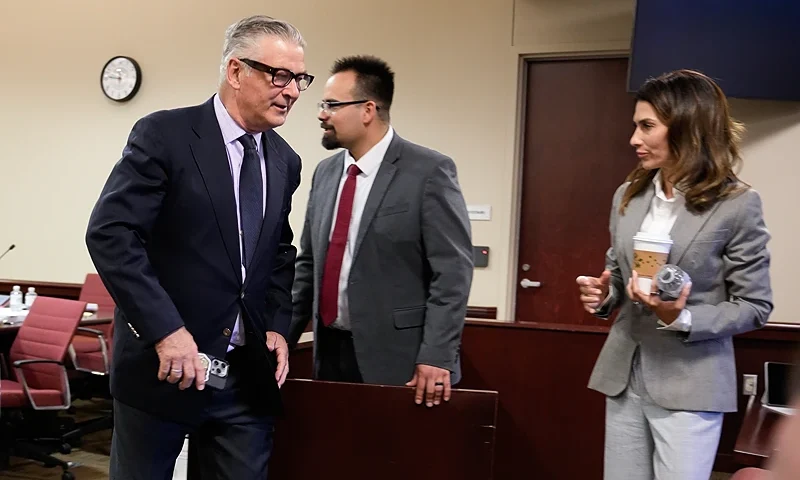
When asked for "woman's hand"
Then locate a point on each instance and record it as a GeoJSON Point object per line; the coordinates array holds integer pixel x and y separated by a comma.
{"type": "Point", "coordinates": [594, 290]}
{"type": "Point", "coordinates": [666, 311]}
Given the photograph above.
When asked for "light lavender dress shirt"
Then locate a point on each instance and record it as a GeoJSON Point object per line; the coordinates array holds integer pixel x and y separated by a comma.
{"type": "Point", "coordinates": [231, 131]}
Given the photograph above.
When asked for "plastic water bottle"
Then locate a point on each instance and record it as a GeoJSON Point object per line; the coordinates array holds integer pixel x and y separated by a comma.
{"type": "Point", "coordinates": [30, 297]}
{"type": "Point", "coordinates": [670, 281]}
{"type": "Point", "coordinates": [15, 301]}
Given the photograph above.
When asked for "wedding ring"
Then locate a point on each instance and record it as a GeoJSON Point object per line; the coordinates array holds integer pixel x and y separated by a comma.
{"type": "Point", "coordinates": [439, 384]}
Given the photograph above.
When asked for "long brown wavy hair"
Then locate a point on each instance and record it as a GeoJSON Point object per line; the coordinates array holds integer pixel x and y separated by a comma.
{"type": "Point", "coordinates": [703, 139]}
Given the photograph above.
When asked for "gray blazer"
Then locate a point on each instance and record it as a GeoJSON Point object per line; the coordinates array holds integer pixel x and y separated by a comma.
{"type": "Point", "coordinates": [412, 264]}
{"type": "Point", "coordinates": [724, 250]}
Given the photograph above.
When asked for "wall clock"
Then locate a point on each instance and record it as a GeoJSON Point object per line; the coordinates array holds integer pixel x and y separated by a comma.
{"type": "Point", "coordinates": [120, 78]}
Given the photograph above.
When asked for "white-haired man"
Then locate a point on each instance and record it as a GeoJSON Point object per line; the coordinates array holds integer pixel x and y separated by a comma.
{"type": "Point", "coordinates": [192, 239]}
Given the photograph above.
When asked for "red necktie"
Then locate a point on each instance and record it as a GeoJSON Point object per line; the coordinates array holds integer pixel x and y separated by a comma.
{"type": "Point", "coordinates": [329, 294]}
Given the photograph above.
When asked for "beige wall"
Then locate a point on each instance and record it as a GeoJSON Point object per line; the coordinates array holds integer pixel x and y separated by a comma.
{"type": "Point", "coordinates": [457, 74]}
{"type": "Point", "coordinates": [772, 166]}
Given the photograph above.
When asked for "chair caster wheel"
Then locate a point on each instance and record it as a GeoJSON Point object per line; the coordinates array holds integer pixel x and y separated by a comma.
{"type": "Point", "coordinates": [67, 476]}
{"type": "Point", "coordinates": [65, 448]}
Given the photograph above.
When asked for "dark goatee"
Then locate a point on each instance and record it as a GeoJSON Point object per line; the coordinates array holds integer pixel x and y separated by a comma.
{"type": "Point", "coordinates": [330, 143]}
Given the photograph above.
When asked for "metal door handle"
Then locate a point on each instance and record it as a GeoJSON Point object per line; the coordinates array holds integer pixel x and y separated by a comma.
{"type": "Point", "coordinates": [525, 283]}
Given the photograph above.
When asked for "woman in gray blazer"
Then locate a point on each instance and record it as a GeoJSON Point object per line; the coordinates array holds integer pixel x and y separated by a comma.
{"type": "Point", "coordinates": [667, 367]}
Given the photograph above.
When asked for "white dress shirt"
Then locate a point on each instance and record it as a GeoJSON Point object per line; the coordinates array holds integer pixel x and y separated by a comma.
{"type": "Point", "coordinates": [231, 131]}
{"type": "Point", "coordinates": [368, 164]}
{"type": "Point", "coordinates": [659, 220]}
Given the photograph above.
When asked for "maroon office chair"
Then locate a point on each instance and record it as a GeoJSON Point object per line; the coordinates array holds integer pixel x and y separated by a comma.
{"type": "Point", "coordinates": [40, 379]}
{"type": "Point", "coordinates": [90, 350]}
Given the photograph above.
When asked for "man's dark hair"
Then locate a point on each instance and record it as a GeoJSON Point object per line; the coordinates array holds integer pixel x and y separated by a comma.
{"type": "Point", "coordinates": [374, 80]}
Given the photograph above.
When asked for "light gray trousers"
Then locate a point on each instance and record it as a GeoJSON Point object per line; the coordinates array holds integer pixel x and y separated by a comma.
{"type": "Point", "coordinates": [645, 441]}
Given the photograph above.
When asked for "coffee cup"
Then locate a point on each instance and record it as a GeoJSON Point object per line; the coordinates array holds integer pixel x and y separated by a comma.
{"type": "Point", "coordinates": [650, 253]}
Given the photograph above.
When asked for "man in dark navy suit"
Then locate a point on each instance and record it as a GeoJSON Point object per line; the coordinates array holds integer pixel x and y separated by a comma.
{"type": "Point", "coordinates": [192, 239]}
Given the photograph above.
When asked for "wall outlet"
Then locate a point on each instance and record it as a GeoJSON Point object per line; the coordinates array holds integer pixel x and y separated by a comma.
{"type": "Point", "coordinates": [749, 384]}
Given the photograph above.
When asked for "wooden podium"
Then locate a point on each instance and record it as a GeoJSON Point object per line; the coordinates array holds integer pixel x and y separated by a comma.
{"type": "Point", "coordinates": [351, 431]}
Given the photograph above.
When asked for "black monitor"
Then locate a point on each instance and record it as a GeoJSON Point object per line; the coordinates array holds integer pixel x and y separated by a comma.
{"type": "Point", "coordinates": [779, 378]}
{"type": "Point", "coordinates": [750, 47]}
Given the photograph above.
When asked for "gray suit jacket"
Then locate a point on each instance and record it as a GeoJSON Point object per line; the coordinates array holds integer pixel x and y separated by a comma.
{"type": "Point", "coordinates": [724, 250]}
{"type": "Point", "coordinates": [412, 264]}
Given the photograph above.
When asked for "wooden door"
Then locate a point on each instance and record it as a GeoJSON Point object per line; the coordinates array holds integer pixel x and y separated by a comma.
{"type": "Point", "coordinates": [576, 153]}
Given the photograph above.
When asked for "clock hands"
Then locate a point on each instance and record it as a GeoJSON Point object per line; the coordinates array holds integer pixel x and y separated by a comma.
{"type": "Point", "coordinates": [127, 75]}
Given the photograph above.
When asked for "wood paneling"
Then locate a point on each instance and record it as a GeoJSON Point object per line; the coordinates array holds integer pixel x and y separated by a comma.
{"type": "Point", "coordinates": [341, 431]}
{"type": "Point", "coordinates": [69, 291]}
{"type": "Point", "coordinates": [547, 417]}
{"type": "Point", "coordinates": [754, 442]}
{"type": "Point", "coordinates": [482, 313]}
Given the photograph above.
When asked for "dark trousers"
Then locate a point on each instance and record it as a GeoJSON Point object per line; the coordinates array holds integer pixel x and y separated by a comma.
{"type": "Point", "coordinates": [233, 441]}
{"type": "Point", "coordinates": [337, 357]}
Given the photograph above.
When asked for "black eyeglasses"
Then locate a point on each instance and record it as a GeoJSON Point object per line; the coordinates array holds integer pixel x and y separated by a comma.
{"type": "Point", "coordinates": [330, 106]}
{"type": "Point", "coordinates": [281, 76]}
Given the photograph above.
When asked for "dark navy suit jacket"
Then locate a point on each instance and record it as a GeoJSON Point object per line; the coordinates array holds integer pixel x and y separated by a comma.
{"type": "Point", "coordinates": [164, 239]}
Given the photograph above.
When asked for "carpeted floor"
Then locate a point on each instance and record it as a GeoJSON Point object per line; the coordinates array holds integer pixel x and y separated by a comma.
{"type": "Point", "coordinates": [92, 457]}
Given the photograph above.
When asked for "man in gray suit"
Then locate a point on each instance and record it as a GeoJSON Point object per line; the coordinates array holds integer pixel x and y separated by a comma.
{"type": "Point", "coordinates": [386, 256]}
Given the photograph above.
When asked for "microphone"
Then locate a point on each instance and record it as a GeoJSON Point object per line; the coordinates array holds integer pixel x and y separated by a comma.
{"type": "Point", "coordinates": [11, 247]}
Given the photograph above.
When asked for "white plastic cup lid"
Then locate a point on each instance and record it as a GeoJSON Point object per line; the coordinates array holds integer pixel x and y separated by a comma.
{"type": "Point", "coordinates": [649, 237]}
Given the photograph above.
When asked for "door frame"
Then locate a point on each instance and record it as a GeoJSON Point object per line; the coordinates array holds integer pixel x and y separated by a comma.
{"type": "Point", "coordinates": [519, 142]}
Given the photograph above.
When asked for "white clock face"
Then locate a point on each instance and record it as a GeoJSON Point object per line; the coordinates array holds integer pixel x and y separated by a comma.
{"type": "Point", "coordinates": [120, 79]}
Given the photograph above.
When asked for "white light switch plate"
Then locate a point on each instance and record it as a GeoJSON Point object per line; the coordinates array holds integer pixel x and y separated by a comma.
{"type": "Point", "coordinates": [749, 384]}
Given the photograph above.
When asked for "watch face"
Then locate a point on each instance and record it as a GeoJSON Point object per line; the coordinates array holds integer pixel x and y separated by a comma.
{"type": "Point", "coordinates": [120, 78]}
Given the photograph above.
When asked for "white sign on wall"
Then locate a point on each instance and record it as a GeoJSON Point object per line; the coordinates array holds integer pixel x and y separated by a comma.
{"type": "Point", "coordinates": [480, 212]}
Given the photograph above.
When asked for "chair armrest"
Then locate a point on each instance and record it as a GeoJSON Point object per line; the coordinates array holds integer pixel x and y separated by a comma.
{"type": "Point", "coordinates": [20, 372]}
{"type": "Point", "coordinates": [85, 332]}
{"type": "Point", "coordinates": [3, 366]}
{"type": "Point", "coordinates": [32, 361]}
{"type": "Point", "coordinates": [91, 331]}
